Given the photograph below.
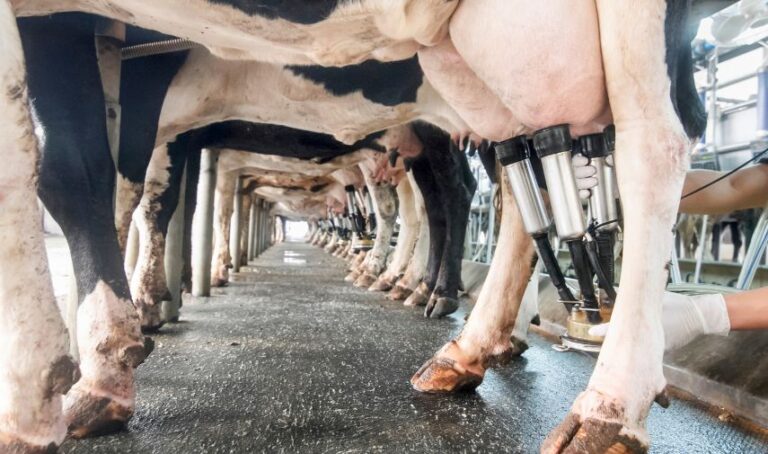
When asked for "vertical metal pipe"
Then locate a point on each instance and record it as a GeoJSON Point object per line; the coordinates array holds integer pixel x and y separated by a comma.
{"type": "Point", "coordinates": [674, 265]}
{"type": "Point", "coordinates": [712, 117]}
{"type": "Point", "coordinates": [754, 252]}
{"type": "Point", "coordinates": [762, 100]}
{"type": "Point", "coordinates": [109, 36]}
{"type": "Point", "coordinates": [252, 227]}
{"type": "Point", "coordinates": [700, 249]}
{"type": "Point", "coordinates": [131, 251]}
{"type": "Point", "coordinates": [203, 227]}
{"type": "Point", "coordinates": [174, 243]}
{"type": "Point", "coordinates": [234, 231]}
{"type": "Point", "coordinates": [490, 236]}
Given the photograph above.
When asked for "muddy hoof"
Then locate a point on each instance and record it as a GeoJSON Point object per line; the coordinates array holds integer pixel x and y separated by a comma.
{"type": "Point", "coordinates": [575, 435]}
{"type": "Point", "coordinates": [365, 281]}
{"type": "Point", "coordinates": [151, 319]}
{"type": "Point", "coordinates": [352, 276]}
{"type": "Point", "coordinates": [382, 284]}
{"type": "Point", "coordinates": [219, 282]}
{"type": "Point", "coordinates": [399, 293]}
{"type": "Point", "coordinates": [419, 297]}
{"type": "Point", "coordinates": [597, 423]}
{"type": "Point", "coordinates": [441, 306]}
{"type": "Point", "coordinates": [444, 375]}
{"type": "Point", "coordinates": [88, 414]}
{"type": "Point", "coordinates": [134, 355]}
{"type": "Point", "coordinates": [12, 445]}
{"type": "Point", "coordinates": [518, 346]}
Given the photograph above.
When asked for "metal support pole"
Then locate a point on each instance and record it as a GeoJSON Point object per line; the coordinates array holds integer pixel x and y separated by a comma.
{"type": "Point", "coordinates": [174, 260]}
{"type": "Point", "coordinates": [713, 115]}
{"type": "Point", "coordinates": [234, 230]}
{"type": "Point", "coordinates": [700, 250]}
{"type": "Point", "coordinates": [202, 246]}
{"type": "Point", "coordinates": [674, 265]}
{"type": "Point", "coordinates": [109, 39]}
{"type": "Point", "coordinates": [490, 236]}
{"type": "Point", "coordinates": [762, 100]}
{"type": "Point", "coordinates": [257, 230]}
{"type": "Point", "coordinates": [263, 227]}
{"type": "Point", "coordinates": [252, 222]}
{"type": "Point", "coordinates": [754, 252]}
{"type": "Point", "coordinates": [131, 251]}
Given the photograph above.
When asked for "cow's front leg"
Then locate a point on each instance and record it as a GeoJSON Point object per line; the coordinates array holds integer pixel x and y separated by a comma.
{"type": "Point", "coordinates": [35, 368]}
{"type": "Point", "coordinates": [76, 184]}
{"type": "Point", "coordinates": [485, 339]}
{"type": "Point", "coordinates": [651, 161]}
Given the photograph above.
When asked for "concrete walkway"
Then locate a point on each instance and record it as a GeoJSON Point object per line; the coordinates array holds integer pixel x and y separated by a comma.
{"type": "Point", "coordinates": [292, 359]}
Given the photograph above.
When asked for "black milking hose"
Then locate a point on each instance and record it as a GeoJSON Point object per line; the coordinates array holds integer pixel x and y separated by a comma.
{"type": "Point", "coordinates": [602, 278]}
{"type": "Point", "coordinates": [553, 269]}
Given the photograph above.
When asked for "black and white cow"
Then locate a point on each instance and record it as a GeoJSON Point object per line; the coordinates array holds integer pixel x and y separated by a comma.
{"type": "Point", "coordinates": [631, 62]}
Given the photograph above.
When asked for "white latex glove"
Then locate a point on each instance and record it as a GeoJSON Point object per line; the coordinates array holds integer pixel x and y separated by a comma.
{"type": "Point", "coordinates": [686, 317]}
{"type": "Point", "coordinates": [585, 175]}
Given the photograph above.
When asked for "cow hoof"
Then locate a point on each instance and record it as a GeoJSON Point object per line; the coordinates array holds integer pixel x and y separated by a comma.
{"type": "Point", "coordinates": [352, 276]}
{"type": "Point", "coordinates": [602, 431]}
{"type": "Point", "coordinates": [382, 284]}
{"type": "Point", "coordinates": [366, 280]}
{"type": "Point", "coordinates": [134, 355]}
{"type": "Point", "coordinates": [399, 293]}
{"type": "Point", "coordinates": [62, 375]}
{"type": "Point", "coordinates": [219, 282]}
{"type": "Point", "coordinates": [12, 445]}
{"type": "Point", "coordinates": [448, 372]}
{"type": "Point", "coordinates": [440, 306]}
{"type": "Point", "coordinates": [151, 319]}
{"type": "Point", "coordinates": [418, 297]}
{"type": "Point", "coordinates": [89, 414]}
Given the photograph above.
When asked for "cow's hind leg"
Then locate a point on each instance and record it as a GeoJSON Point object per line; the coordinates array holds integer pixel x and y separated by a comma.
{"type": "Point", "coordinates": [485, 339]}
{"type": "Point", "coordinates": [456, 186]}
{"type": "Point", "coordinates": [651, 160]}
{"type": "Point", "coordinates": [149, 285]}
{"type": "Point", "coordinates": [76, 184]}
{"type": "Point", "coordinates": [35, 368]}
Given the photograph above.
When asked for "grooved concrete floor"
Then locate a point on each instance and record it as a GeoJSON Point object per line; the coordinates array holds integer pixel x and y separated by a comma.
{"type": "Point", "coordinates": [292, 359]}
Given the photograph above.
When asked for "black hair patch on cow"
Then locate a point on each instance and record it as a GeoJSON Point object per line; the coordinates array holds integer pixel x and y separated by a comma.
{"type": "Point", "coordinates": [169, 199]}
{"type": "Point", "coordinates": [488, 159]}
{"type": "Point", "coordinates": [388, 84]}
{"type": "Point", "coordinates": [297, 11]}
{"type": "Point", "coordinates": [77, 177]}
{"type": "Point", "coordinates": [143, 85]}
{"type": "Point", "coordinates": [281, 141]}
{"type": "Point", "coordinates": [678, 33]}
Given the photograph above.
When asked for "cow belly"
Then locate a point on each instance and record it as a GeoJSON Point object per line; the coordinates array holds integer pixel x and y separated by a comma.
{"type": "Point", "coordinates": [464, 91]}
{"type": "Point", "coordinates": [542, 59]}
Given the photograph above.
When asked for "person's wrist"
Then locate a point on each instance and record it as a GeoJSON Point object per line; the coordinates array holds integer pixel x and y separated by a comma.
{"type": "Point", "coordinates": [714, 313]}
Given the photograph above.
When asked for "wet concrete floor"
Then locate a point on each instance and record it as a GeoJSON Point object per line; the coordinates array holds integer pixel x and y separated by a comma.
{"type": "Point", "coordinates": [292, 359]}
